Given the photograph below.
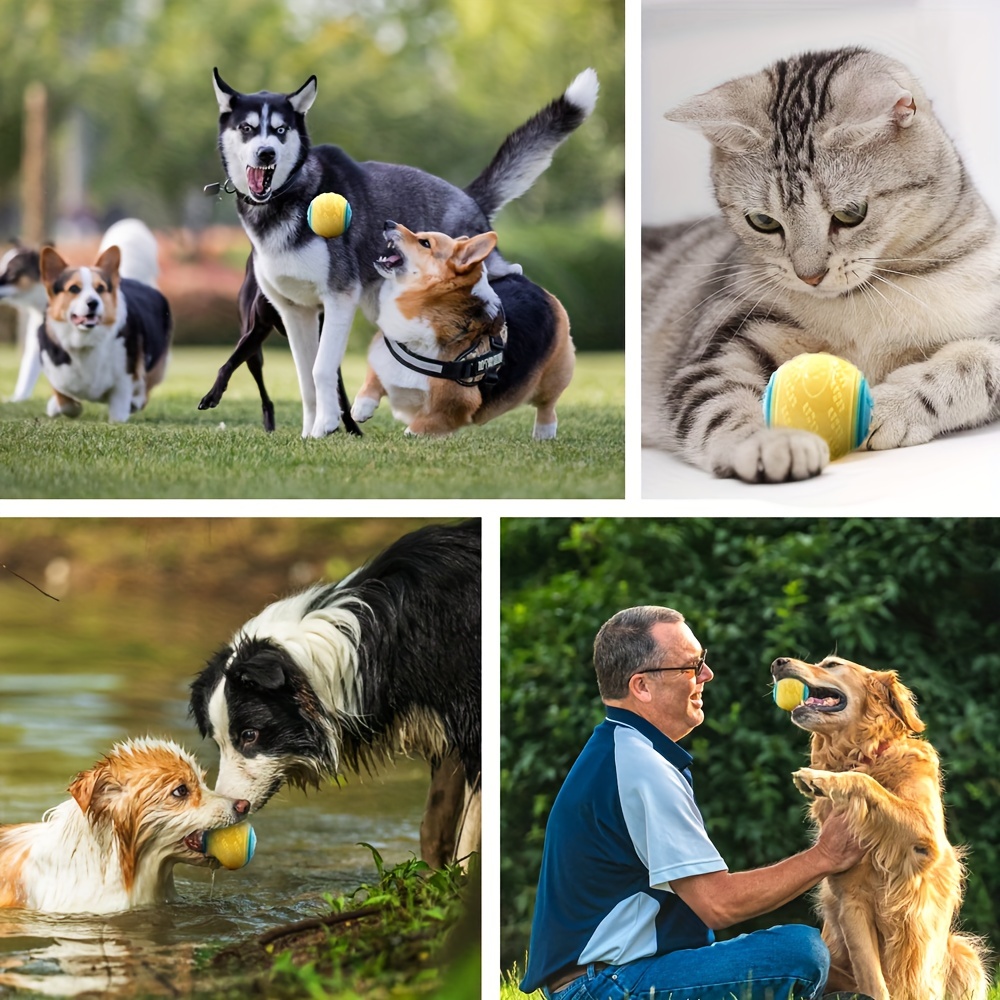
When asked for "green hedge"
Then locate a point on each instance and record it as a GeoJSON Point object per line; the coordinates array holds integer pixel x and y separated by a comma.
{"type": "Point", "coordinates": [918, 596]}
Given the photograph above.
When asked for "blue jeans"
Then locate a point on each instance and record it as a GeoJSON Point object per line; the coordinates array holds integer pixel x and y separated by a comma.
{"type": "Point", "coordinates": [788, 962]}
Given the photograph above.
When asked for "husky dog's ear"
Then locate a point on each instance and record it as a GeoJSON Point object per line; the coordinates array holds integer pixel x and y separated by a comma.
{"type": "Point", "coordinates": [224, 94]}
{"type": "Point", "coordinates": [302, 99]}
{"type": "Point", "coordinates": [50, 266]}
{"type": "Point", "coordinates": [471, 251]}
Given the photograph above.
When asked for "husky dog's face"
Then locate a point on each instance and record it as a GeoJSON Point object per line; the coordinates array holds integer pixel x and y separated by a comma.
{"type": "Point", "coordinates": [81, 299]}
{"type": "Point", "coordinates": [262, 136]}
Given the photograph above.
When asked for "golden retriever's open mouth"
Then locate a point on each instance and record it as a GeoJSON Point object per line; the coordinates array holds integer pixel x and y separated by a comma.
{"type": "Point", "coordinates": [822, 699]}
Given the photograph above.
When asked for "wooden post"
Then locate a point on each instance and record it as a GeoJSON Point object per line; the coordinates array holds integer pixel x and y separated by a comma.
{"type": "Point", "coordinates": [34, 163]}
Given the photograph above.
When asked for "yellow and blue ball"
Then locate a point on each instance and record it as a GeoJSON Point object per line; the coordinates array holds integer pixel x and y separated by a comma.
{"type": "Point", "coordinates": [823, 394]}
{"type": "Point", "coordinates": [789, 693]}
{"type": "Point", "coordinates": [329, 215]}
{"type": "Point", "coordinates": [231, 846]}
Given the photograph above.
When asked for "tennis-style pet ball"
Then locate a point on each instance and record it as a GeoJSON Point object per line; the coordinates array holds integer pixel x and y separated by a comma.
{"type": "Point", "coordinates": [789, 693]}
{"type": "Point", "coordinates": [231, 846]}
{"type": "Point", "coordinates": [329, 215]}
{"type": "Point", "coordinates": [823, 394]}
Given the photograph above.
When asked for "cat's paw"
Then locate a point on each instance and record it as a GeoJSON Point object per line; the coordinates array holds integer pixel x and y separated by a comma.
{"type": "Point", "coordinates": [899, 418]}
{"type": "Point", "coordinates": [776, 455]}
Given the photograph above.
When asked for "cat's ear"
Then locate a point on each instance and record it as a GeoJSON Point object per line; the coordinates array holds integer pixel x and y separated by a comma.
{"type": "Point", "coordinates": [726, 116]}
{"type": "Point", "coordinates": [872, 110]}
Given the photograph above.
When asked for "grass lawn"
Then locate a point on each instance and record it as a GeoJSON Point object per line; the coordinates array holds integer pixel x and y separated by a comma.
{"type": "Point", "coordinates": [173, 450]}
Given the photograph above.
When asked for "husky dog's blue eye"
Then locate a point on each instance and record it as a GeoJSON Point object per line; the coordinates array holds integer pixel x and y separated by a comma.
{"type": "Point", "coordinates": [246, 129]}
{"type": "Point", "coordinates": [280, 130]}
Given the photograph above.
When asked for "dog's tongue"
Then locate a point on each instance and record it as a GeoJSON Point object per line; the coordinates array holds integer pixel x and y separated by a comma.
{"type": "Point", "coordinates": [256, 179]}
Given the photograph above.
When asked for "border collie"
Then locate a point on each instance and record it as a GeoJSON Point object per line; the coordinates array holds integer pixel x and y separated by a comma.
{"type": "Point", "coordinates": [275, 172]}
{"type": "Point", "coordinates": [342, 676]}
{"type": "Point", "coordinates": [113, 845]}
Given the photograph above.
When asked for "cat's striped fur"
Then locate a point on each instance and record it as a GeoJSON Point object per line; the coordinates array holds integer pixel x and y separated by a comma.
{"type": "Point", "coordinates": [848, 225]}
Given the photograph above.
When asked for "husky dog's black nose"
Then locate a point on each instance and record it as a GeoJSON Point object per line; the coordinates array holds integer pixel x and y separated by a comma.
{"type": "Point", "coordinates": [266, 155]}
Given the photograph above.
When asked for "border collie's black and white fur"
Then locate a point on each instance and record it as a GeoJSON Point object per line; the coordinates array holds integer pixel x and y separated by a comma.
{"type": "Point", "coordinates": [342, 676]}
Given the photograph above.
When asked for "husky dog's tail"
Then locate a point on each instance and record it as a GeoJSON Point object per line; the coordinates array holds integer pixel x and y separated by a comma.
{"type": "Point", "coordinates": [528, 150]}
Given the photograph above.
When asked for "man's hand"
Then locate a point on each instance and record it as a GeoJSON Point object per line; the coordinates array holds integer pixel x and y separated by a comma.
{"type": "Point", "coordinates": [838, 845]}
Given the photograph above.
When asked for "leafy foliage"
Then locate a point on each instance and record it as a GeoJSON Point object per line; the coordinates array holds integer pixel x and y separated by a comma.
{"type": "Point", "coordinates": [920, 596]}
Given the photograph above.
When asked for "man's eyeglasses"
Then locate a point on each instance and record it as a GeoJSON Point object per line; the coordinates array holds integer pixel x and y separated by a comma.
{"type": "Point", "coordinates": [698, 667]}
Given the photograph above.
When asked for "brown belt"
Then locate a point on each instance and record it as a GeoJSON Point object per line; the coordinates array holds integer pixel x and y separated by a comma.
{"type": "Point", "coordinates": [570, 975]}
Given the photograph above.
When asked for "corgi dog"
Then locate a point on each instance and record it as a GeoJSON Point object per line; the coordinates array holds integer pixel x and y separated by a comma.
{"type": "Point", "coordinates": [105, 338]}
{"type": "Point", "coordinates": [112, 846]}
{"type": "Point", "coordinates": [21, 287]}
{"type": "Point", "coordinates": [455, 348]}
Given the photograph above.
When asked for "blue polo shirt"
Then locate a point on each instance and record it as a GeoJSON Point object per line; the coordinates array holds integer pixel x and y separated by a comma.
{"type": "Point", "coordinates": [624, 824]}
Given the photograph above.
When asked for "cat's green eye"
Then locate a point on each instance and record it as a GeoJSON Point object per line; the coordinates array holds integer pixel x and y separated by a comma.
{"type": "Point", "coordinates": [763, 223]}
{"type": "Point", "coordinates": [851, 216]}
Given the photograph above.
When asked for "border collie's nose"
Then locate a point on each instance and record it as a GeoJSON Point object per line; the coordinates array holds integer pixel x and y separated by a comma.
{"type": "Point", "coordinates": [241, 806]}
{"type": "Point", "coordinates": [266, 155]}
{"type": "Point", "coordinates": [780, 661]}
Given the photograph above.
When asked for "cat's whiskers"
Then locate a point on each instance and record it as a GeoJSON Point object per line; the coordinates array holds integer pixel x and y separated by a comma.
{"type": "Point", "coordinates": [899, 288]}
{"type": "Point", "coordinates": [742, 285]}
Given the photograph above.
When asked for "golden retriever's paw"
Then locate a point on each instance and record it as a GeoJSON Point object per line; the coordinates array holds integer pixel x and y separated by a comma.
{"type": "Point", "coordinates": [815, 784]}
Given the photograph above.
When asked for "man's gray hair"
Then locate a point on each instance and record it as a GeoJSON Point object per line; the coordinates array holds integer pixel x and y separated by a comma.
{"type": "Point", "coordinates": [624, 646]}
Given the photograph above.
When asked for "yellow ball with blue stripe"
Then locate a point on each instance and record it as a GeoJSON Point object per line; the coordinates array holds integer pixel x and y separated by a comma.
{"type": "Point", "coordinates": [789, 693]}
{"type": "Point", "coordinates": [329, 215]}
{"type": "Point", "coordinates": [823, 394]}
{"type": "Point", "coordinates": [231, 846]}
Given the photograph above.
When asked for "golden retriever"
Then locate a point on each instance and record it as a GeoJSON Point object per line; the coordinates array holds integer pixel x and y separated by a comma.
{"type": "Point", "coordinates": [888, 920]}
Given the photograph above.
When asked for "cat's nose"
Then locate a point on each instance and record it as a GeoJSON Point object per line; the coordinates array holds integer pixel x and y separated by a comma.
{"type": "Point", "coordinates": [814, 279]}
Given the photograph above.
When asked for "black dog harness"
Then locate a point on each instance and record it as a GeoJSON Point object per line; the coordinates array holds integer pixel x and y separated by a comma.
{"type": "Point", "coordinates": [479, 363]}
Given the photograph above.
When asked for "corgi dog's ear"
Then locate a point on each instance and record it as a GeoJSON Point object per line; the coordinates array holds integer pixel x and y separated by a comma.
{"type": "Point", "coordinates": [109, 262]}
{"type": "Point", "coordinates": [50, 265]}
{"type": "Point", "coordinates": [469, 251]}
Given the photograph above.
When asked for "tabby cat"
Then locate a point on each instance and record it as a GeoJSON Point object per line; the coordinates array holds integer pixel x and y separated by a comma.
{"type": "Point", "coordinates": [849, 225]}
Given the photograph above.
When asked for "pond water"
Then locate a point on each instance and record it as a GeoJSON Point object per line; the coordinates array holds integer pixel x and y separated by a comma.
{"type": "Point", "coordinates": [77, 676]}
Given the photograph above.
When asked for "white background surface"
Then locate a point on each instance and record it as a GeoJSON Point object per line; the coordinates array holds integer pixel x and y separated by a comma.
{"type": "Point", "coordinates": [689, 47]}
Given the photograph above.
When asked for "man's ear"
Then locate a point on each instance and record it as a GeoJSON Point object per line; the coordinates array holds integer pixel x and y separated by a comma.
{"type": "Point", "coordinates": [638, 687]}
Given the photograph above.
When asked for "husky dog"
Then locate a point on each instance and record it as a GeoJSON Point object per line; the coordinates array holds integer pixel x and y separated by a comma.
{"type": "Point", "coordinates": [276, 173]}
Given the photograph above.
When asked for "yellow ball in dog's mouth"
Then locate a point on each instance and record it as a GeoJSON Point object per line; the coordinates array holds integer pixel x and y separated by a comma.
{"type": "Point", "coordinates": [231, 846]}
{"type": "Point", "coordinates": [329, 215]}
{"type": "Point", "coordinates": [823, 394]}
{"type": "Point", "coordinates": [789, 693]}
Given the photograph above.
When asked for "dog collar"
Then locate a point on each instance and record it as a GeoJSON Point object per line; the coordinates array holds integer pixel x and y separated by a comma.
{"type": "Point", "coordinates": [467, 368]}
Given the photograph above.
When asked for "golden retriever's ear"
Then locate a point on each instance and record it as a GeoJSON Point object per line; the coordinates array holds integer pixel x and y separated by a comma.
{"type": "Point", "coordinates": [898, 699]}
